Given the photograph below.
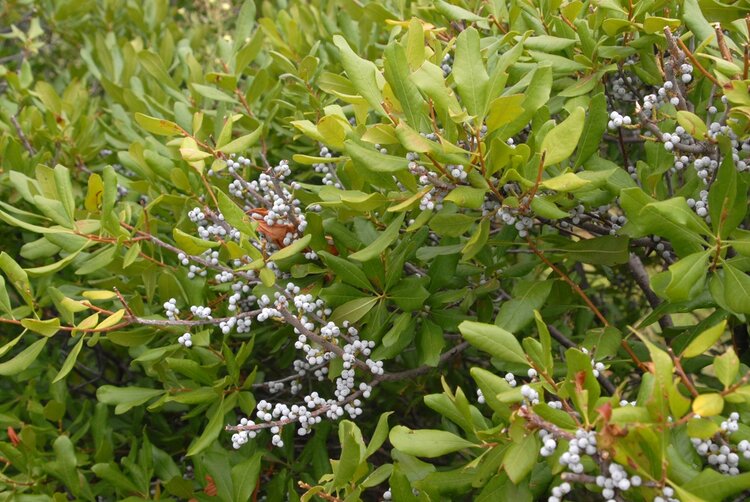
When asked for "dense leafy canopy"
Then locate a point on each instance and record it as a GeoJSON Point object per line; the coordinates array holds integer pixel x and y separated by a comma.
{"type": "Point", "coordinates": [343, 250]}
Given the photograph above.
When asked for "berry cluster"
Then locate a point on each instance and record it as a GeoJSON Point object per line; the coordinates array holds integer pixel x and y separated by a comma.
{"type": "Point", "coordinates": [530, 396]}
{"type": "Point", "coordinates": [447, 64]}
{"type": "Point", "coordinates": [319, 346]}
{"type": "Point", "coordinates": [511, 379]}
{"type": "Point", "coordinates": [328, 170]}
{"type": "Point", "coordinates": [185, 340]}
{"type": "Point", "coordinates": [517, 217]}
{"type": "Point", "coordinates": [170, 306]}
{"type": "Point", "coordinates": [616, 120]}
{"type": "Point", "coordinates": [719, 453]}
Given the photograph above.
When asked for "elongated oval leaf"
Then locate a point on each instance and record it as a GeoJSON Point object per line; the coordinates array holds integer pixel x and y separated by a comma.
{"type": "Point", "coordinates": [494, 340]}
{"type": "Point", "coordinates": [705, 340]}
{"type": "Point", "coordinates": [70, 361]}
{"type": "Point", "coordinates": [24, 359]}
{"type": "Point", "coordinates": [469, 72]}
{"type": "Point", "coordinates": [561, 141]}
{"type": "Point", "coordinates": [426, 443]}
{"type": "Point", "coordinates": [292, 249]}
{"type": "Point", "coordinates": [380, 244]}
{"type": "Point", "coordinates": [161, 127]}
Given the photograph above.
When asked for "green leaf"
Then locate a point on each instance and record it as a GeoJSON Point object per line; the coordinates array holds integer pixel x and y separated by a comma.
{"type": "Point", "coordinates": [712, 485]}
{"type": "Point", "coordinates": [566, 182]}
{"type": "Point", "coordinates": [243, 143]}
{"type": "Point", "coordinates": [527, 296]}
{"type": "Point", "coordinates": [234, 215]}
{"type": "Point", "coordinates": [292, 249]}
{"type": "Point", "coordinates": [380, 244]}
{"type": "Point", "coordinates": [212, 93]}
{"type": "Point", "coordinates": [371, 160]}
{"type": "Point", "coordinates": [477, 241]}
{"type": "Point", "coordinates": [362, 73]}
{"type": "Point", "coordinates": [494, 340]}
{"type": "Point", "coordinates": [559, 63]}
{"type": "Point", "coordinates": [70, 361]}
{"type": "Point", "coordinates": [736, 289]}
{"type": "Point", "coordinates": [685, 276]}
{"type": "Point", "coordinates": [727, 198]}
{"type": "Point", "coordinates": [692, 123]}
{"type": "Point", "coordinates": [353, 310]}
{"type": "Point", "coordinates": [245, 477]}
{"type": "Point", "coordinates": [451, 225]}
{"type": "Point", "coordinates": [605, 250]}
{"type": "Point", "coordinates": [470, 74]}
{"type": "Point", "coordinates": [379, 435]}
{"type": "Point", "coordinates": [397, 74]}
{"type": "Point", "coordinates": [426, 443]}
{"type": "Point", "coordinates": [65, 190]}
{"type": "Point", "coordinates": [97, 261]}
{"type": "Point", "coordinates": [546, 342]}
{"type": "Point", "coordinates": [377, 476]}
{"type": "Point", "coordinates": [702, 428]}
{"type": "Point", "coordinates": [47, 327]}
{"type": "Point", "coordinates": [538, 86]}
{"type": "Point", "coordinates": [545, 208]}
{"type": "Point", "coordinates": [124, 398]}
{"type": "Point", "coordinates": [346, 271]}
{"type": "Point", "coordinates": [654, 24]}
{"type": "Point", "coordinates": [429, 79]}
{"type": "Point", "coordinates": [561, 141]}
{"type": "Point", "coordinates": [190, 244]}
{"type": "Point", "coordinates": [111, 472]}
{"type": "Point", "coordinates": [708, 405]}
{"type": "Point", "coordinates": [455, 12]}
{"type": "Point", "coordinates": [521, 458]}
{"type": "Point", "coordinates": [593, 129]}
{"type": "Point", "coordinates": [23, 359]}
{"type": "Point", "coordinates": [727, 366]}
{"type": "Point", "coordinates": [704, 341]}
{"type": "Point", "coordinates": [468, 197]}
{"type": "Point", "coordinates": [409, 294]}
{"type": "Point", "coordinates": [17, 277]}
{"type": "Point", "coordinates": [5, 305]}
{"type": "Point", "coordinates": [160, 127]}
{"type": "Point", "coordinates": [352, 453]}
{"type": "Point", "coordinates": [503, 110]}
{"type": "Point", "coordinates": [54, 267]}
{"type": "Point", "coordinates": [214, 427]}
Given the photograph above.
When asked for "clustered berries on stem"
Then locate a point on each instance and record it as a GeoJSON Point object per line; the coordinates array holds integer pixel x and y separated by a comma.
{"type": "Point", "coordinates": [280, 221]}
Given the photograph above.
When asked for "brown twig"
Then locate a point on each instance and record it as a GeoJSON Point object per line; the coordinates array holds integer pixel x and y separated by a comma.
{"type": "Point", "coordinates": [540, 172]}
{"type": "Point", "coordinates": [124, 304]}
{"type": "Point", "coordinates": [386, 377]}
{"type": "Point", "coordinates": [586, 300]}
{"type": "Point", "coordinates": [323, 495]}
{"type": "Point", "coordinates": [22, 136]}
{"type": "Point", "coordinates": [498, 24]}
{"type": "Point", "coordinates": [681, 372]}
{"type": "Point", "coordinates": [642, 280]}
{"type": "Point", "coordinates": [697, 64]}
{"type": "Point", "coordinates": [722, 43]}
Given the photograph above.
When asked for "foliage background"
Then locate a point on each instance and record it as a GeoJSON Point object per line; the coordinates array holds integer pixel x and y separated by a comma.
{"type": "Point", "coordinates": [99, 405]}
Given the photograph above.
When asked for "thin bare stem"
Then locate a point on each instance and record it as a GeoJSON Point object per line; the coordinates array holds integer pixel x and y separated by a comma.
{"type": "Point", "coordinates": [22, 136]}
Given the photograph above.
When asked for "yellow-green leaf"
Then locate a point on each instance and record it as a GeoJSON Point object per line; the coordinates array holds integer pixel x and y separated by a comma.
{"type": "Point", "coordinates": [561, 141]}
{"type": "Point", "coordinates": [693, 124]}
{"type": "Point", "coordinates": [708, 405]}
{"type": "Point", "coordinates": [705, 340]}
{"type": "Point", "coordinates": [161, 127]}
{"type": "Point", "coordinates": [47, 327]}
